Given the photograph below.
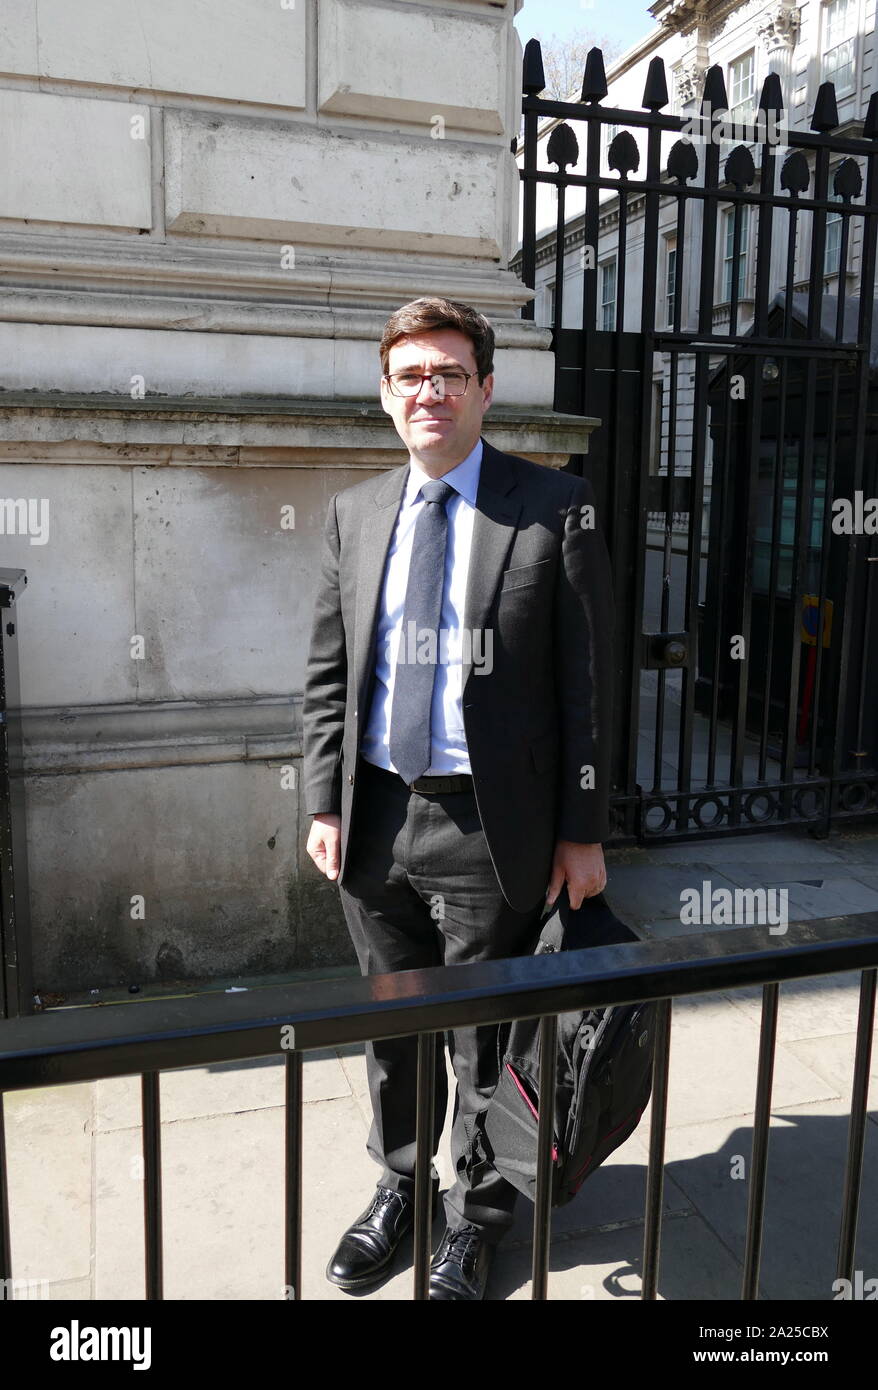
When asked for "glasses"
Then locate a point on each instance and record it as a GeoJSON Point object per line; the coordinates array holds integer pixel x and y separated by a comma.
{"type": "Point", "coordinates": [443, 383]}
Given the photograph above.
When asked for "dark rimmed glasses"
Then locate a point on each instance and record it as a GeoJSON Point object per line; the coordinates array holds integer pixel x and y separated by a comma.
{"type": "Point", "coordinates": [449, 383]}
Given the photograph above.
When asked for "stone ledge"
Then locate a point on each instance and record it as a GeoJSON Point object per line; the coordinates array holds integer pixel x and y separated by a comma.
{"type": "Point", "coordinates": [66, 741]}
{"type": "Point", "coordinates": [59, 278]}
{"type": "Point", "coordinates": [60, 427]}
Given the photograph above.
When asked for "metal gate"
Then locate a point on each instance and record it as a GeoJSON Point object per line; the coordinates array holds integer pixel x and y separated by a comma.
{"type": "Point", "coordinates": [738, 425]}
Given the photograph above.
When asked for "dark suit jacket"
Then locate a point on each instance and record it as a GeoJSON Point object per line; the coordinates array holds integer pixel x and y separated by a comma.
{"type": "Point", "coordinates": [542, 583]}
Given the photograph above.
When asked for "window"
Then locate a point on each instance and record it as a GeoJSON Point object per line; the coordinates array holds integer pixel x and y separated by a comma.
{"type": "Point", "coordinates": [608, 135]}
{"type": "Point", "coordinates": [655, 464]}
{"type": "Point", "coordinates": [607, 310]}
{"type": "Point", "coordinates": [670, 278]}
{"type": "Point", "coordinates": [742, 89]}
{"type": "Point", "coordinates": [839, 38]}
{"type": "Point", "coordinates": [832, 245]}
{"type": "Point", "coordinates": [550, 304]}
{"type": "Point", "coordinates": [789, 503]}
{"type": "Point", "coordinates": [728, 249]}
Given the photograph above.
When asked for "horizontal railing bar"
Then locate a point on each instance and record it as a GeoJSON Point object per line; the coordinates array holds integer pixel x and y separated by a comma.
{"type": "Point", "coordinates": [617, 115]}
{"type": "Point", "coordinates": [197, 1030]}
{"type": "Point", "coordinates": [670, 189]}
{"type": "Point", "coordinates": [770, 347]}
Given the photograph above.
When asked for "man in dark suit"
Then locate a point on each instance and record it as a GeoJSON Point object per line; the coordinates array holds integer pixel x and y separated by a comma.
{"type": "Point", "coordinates": [456, 742]}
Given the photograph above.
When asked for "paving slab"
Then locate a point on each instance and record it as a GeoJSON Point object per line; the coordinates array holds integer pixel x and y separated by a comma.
{"type": "Point", "coordinates": [855, 846]}
{"type": "Point", "coordinates": [220, 1089]}
{"type": "Point", "coordinates": [833, 1058]}
{"type": "Point", "coordinates": [809, 894]}
{"type": "Point", "coordinates": [639, 895]}
{"type": "Point", "coordinates": [666, 928]}
{"type": "Point", "coordinates": [119, 1266]}
{"type": "Point", "coordinates": [693, 1264]}
{"type": "Point", "coordinates": [867, 876]}
{"type": "Point", "coordinates": [614, 1194]}
{"type": "Point", "coordinates": [713, 1063]}
{"type": "Point", "coordinates": [49, 1166]}
{"type": "Point", "coordinates": [773, 847]}
{"type": "Point", "coordinates": [804, 1183]}
{"type": "Point", "coordinates": [819, 1007]}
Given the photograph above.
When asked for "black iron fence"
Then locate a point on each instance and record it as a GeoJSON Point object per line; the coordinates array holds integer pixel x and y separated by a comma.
{"type": "Point", "coordinates": [712, 303]}
{"type": "Point", "coordinates": [149, 1037]}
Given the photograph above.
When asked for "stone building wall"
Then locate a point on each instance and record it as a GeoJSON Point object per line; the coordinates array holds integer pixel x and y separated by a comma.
{"type": "Point", "coordinates": [207, 213]}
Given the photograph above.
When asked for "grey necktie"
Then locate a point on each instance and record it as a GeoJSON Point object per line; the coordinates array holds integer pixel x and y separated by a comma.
{"type": "Point", "coordinates": [409, 743]}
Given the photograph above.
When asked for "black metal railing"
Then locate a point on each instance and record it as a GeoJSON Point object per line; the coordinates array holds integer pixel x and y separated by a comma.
{"type": "Point", "coordinates": [763, 406]}
{"type": "Point", "coordinates": [149, 1037]}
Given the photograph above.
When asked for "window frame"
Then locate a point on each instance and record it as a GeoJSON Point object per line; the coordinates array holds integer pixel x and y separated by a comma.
{"type": "Point", "coordinates": [750, 100]}
{"type": "Point", "coordinates": [852, 9]}
{"type": "Point", "coordinates": [608, 304]}
{"type": "Point", "coordinates": [833, 220]}
{"type": "Point", "coordinates": [743, 255]}
{"type": "Point", "coordinates": [670, 277]}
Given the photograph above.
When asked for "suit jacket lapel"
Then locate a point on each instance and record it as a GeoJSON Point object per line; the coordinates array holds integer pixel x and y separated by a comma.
{"type": "Point", "coordinates": [498, 508]}
{"type": "Point", "coordinates": [376, 532]}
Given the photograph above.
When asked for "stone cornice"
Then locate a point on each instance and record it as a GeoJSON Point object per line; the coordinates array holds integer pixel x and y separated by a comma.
{"type": "Point", "coordinates": [681, 16]}
{"type": "Point", "coordinates": [60, 428]}
{"type": "Point", "coordinates": [190, 281]}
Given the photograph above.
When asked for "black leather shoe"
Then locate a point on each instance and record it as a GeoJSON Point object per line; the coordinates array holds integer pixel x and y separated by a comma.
{"type": "Point", "coordinates": [461, 1265]}
{"type": "Point", "coordinates": [365, 1251]}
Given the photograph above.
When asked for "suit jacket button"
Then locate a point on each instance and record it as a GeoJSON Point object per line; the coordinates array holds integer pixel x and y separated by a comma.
{"type": "Point", "coordinates": [351, 778]}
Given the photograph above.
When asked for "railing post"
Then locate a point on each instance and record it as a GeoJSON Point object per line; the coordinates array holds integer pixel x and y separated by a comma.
{"type": "Point", "coordinates": [759, 1154]}
{"type": "Point", "coordinates": [5, 1242]}
{"type": "Point", "coordinates": [16, 979]}
{"type": "Point", "coordinates": [545, 1134]}
{"type": "Point", "coordinates": [151, 1120]}
{"type": "Point", "coordinates": [293, 1175]}
{"type": "Point", "coordinates": [655, 1173]}
{"type": "Point", "coordinates": [857, 1131]}
{"type": "Point", "coordinates": [426, 1103]}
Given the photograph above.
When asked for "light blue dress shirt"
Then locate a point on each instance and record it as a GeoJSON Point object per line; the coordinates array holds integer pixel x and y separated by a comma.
{"type": "Point", "coordinates": [447, 736]}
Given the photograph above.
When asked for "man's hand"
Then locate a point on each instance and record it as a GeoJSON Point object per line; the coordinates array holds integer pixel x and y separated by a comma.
{"type": "Point", "coordinates": [581, 867]}
{"type": "Point", "coordinates": [324, 844]}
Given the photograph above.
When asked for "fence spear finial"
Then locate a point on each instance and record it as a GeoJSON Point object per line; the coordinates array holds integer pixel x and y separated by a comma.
{"type": "Point", "coordinates": [594, 83]}
{"type": "Point", "coordinates": [771, 97]}
{"type": "Point", "coordinates": [533, 78]}
{"type": "Point", "coordinates": [714, 98]}
{"type": "Point", "coordinates": [825, 108]}
{"type": "Point", "coordinates": [655, 92]}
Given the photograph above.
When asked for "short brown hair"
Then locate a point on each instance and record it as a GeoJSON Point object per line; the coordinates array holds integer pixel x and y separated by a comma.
{"type": "Point", "coordinates": [434, 312]}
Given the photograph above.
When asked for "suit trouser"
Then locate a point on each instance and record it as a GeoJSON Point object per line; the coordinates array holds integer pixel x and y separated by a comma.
{"type": "Point", "coordinates": [419, 890]}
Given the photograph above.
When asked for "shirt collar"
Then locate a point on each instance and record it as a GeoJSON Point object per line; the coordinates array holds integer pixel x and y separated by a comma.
{"type": "Point", "coordinates": [464, 477]}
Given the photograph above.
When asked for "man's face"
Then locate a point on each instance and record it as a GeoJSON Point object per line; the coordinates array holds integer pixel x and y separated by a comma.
{"type": "Point", "coordinates": [438, 428]}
